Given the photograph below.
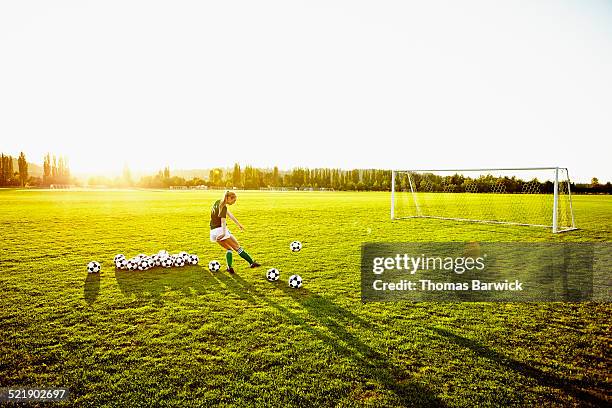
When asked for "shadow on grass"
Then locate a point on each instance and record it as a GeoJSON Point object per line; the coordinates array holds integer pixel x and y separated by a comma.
{"type": "Point", "coordinates": [576, 388]}
{"type": "Point", "coordinates": [152, 284]}
{"type": "Point", "coordinates": [375, 366]}
{"type": "Point", "coordinates": [91, 289]}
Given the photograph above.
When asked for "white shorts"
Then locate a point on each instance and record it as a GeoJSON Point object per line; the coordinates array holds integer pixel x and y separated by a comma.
{"type": "Point", "coordinates": [214, 233]}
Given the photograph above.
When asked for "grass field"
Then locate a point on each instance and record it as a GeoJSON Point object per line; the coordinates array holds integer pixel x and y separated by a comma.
{"type": "Point", "coordinates": [187, 337]}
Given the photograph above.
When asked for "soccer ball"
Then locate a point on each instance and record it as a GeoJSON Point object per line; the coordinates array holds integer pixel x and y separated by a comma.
{"type": "Point", "coordinates": [179, 261]}
{"type": "Point", "coordinates": [193, 259]}
{"type": "Point", "coordinates": [143, 264]}
{"type": "Point", "coordinates": [272, 275]}
{"type": "Point", "coordinates": [158, 259]}
{"type": "Point", "coordinates": [151, 262]}
{"type": "Point", "coordinates": [121, 264]}
{"type": "Point", "coordinates": [295, 281]}
{"type": "Point", "coordinates": [118, 257]}
{"type": "Point", "coordinates": [132, 264]}
{"type": "Point", "coordinates": [295, 246]}
{"type": "Point", "coordinates": [184, 255]}
{"type": "Point", "coordinates": [214, 266]}
{"type": "Point", "coordinates": [167, 262]}
{"type": "Point", "coordinates": [140, 256]}
{"type": "Point", "coordinates": [93, 267]}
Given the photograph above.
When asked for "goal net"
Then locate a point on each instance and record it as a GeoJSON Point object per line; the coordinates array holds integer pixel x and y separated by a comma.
{"type": "Point", "coordinates": [528, 196]}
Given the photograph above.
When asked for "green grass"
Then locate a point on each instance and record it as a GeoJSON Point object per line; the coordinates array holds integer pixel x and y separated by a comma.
{"type": "Point", "coordinates": [187, 337]}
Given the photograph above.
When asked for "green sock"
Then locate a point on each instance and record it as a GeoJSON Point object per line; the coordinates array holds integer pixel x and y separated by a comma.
{"type": "Point", "coordinates": [244, 255]}
{"type": "Point", "coordinates": [228, 258]}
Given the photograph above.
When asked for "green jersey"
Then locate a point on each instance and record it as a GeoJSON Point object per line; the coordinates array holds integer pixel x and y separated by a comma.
{"type": "Point", "coordinates": [215, 215]}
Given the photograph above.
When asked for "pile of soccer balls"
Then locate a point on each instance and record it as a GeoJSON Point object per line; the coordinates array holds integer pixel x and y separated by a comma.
{"type": "Point", "coordinates": [295, 281]}
{"type": "Point", "coordinates": [162, 259]}
{"type": "Point", "coordinates": [144, 262]}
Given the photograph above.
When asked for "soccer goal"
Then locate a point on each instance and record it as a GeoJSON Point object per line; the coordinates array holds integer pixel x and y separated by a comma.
{"type": "Point", "coordinates": [538, 197]}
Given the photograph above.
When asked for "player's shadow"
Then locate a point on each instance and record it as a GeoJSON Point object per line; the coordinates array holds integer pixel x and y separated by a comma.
{"type": "Point", "coordinates": [152, 284]}
{"type": "Point", "coordinates": [576, 388]}
{"type": "Point", "coordinates": [91, 289]}
{"type": "Point", "coordinates": [374, 365]}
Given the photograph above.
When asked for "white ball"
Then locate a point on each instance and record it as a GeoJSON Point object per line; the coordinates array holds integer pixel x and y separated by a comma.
{"type": "Point", "coordinates": [193, 259]}
{"type": "Point", "coordinates": [93, 267]}
{"type": "Point", "coordinates": [118, 257]}
{"type": "Point", "coordinates": [163, 253]}
{"type": "Point", "coordinates": [158, 260]}
{"type": "Point", "coordinates": [295, 246]}
{"type": "Point", "coordinates": [167, 262]}
{"type": "Point", "coordinates": [179, 261]}
{"type": "Point", "coordinates": [132, 264]}
{"type": "Point", "coordinates": [214, 266]}
{"type": "Point", "coordinates": [143, 264]}
{"type": "Point", "coordinates": [295, 281]}
{"type": "Point", "coordinates": [272, 274]}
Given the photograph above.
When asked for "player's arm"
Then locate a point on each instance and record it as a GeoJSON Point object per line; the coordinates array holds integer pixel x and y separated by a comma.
{"type": "Point", "coordinates": [229, 214]}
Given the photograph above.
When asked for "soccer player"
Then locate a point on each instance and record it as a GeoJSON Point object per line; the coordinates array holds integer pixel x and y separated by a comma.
{"type": "Point", "coordinates": [221, 234]}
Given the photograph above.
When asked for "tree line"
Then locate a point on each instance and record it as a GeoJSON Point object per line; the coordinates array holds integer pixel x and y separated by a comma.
{"type": "Point", "coordinates": [253, 178]}
{"type": "Point", "coordinates": [10, 177]}
{"type": "Point", "coordinates": [56, 171]}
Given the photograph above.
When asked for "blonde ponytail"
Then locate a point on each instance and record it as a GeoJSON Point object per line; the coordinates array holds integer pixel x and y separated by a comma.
{"type": "Point", "coordinates": [227, 194]}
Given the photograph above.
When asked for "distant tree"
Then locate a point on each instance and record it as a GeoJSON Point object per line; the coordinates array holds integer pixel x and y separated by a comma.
{"type": "Point", "coordinates": [167, 172]}
{"type": "Point", "coordinates": [7, 175]}
{"type": "Point", "coordinates": [46, 169]}
{"type": "Point", "coordinates": [236, 176]}
{"type": "Point", "coordinates": [54, 168]}
{"type": "Point", "coordinates": [23, 169]}
{"type": "Point", "coordinates": [215, 177]}
{"type": "Point", "coordinates": [2, 180]}
{"type": "Point", "coordinates": [594, 182]}
{"type": "Point", "coordinates": [127, 176]}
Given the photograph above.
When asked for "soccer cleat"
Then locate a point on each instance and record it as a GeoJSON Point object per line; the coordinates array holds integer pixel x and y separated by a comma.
{"type": "Point", "coordinates": [230, 270]}
{"type": "Point", "coordinates": [255, 265]}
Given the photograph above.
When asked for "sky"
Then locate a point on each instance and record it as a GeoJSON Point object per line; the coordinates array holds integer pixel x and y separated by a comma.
{"type": "Point", "coordinates": [348, 84]}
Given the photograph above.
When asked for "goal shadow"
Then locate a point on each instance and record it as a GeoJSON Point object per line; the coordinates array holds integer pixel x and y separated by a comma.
{"type": "Point", "coordinates": [576, 388]}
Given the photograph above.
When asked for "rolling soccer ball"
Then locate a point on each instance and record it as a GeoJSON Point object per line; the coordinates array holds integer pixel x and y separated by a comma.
{"type": "Point", "coordinates": [272, 275]}
{"type": "Point", "coordinates": [121, 264]}
{"type": "Point", "coordinates": [167, 262]}
{"type": "Point", "coordinates": [140, 256]}
{"type": "Point", "coordinates": [118, 257]}
{"type": "Point", "coordinates": [183, 255]}
{"type": "Point", "coordinates": [93, 267]}
{"type": "Point", "coordinates": [295, 281]}
{"type": "Point", "coordinates": [295, 246]}
{"type": "Point", "coordinates": [193, 259]}
{"type": "Point", "coordinates": [132, 264]}
{"type": "Point", "coordinates": [179, 261]}
{"type": "Point", "coordinates": [214, 266]}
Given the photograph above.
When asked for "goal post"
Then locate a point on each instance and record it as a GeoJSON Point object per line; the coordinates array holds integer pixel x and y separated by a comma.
{"type": "Point", "coordinates": [537, 196]}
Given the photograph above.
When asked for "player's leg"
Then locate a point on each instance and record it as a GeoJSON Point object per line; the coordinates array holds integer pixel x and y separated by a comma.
{"type": "Point", "coordinates": [240, 251]}
{"type": "Point", "coordinates": [228, 254]}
